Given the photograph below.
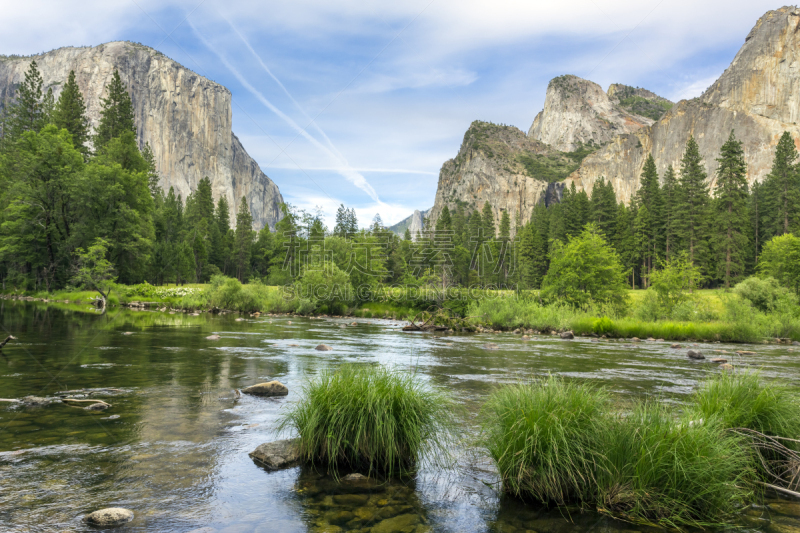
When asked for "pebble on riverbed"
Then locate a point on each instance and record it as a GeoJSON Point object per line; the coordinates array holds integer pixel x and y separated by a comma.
{"type": "Point", "coordinates": [113, 516]}
{"type": "Point", "coordinates": [271, 388]}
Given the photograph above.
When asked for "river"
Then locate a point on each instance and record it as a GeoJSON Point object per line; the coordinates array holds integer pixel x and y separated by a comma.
{"type": "Point", "coordinates": [174, 446]}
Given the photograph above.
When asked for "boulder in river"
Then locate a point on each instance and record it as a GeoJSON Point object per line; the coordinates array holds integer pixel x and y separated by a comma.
{"type": "Point", "coordinates": [726, 366]}
{"type": "Point", "coordinates": [323, 348]}
{"type": "Point", "coordinates": [213, 337]}
{"type": "Point", "coordinates": [35, 401]}
{"type": "Point", "coordinates": [277, 455]}
{"type": "Point", "coordinates": [113, 516]}
{"type": "Point", "coordinates": [675, 346]}
{"type": "Point", "coordinates": [567, 335]}
{"type": "Point", "coordinates": [719, 360]}
{"type": "Point", "coordinates": [693, 354]}
{"type": "Point", "coordinates": [271, 388]}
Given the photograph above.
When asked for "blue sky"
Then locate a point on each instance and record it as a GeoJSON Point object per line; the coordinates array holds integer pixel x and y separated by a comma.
{"type": "Point", "coordinates": [360, 102]}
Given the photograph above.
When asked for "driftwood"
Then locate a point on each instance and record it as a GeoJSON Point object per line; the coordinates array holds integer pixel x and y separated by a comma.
{"type": "Point", "coordinates": [89, 391]}
{"type": "Point", "coordinates": [778, 461]}
{"type": "Point", "coordinates": [782, 490]}
{"type": "Point", "coordinates": [65, 400]}
{"type": "Point", "coordinates": [9, 338]}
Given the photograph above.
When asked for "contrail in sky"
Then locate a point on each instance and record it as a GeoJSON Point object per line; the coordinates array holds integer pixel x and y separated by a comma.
{"type": "Point", "coordinates": [351, 175]}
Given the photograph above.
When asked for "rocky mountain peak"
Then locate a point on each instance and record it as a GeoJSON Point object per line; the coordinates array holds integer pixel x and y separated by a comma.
{"type": "Point", "coordinates": [578, 113]}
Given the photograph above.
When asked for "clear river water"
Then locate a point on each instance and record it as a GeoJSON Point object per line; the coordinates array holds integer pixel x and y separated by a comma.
{"type": "Point", "coordinates": [173, 448]}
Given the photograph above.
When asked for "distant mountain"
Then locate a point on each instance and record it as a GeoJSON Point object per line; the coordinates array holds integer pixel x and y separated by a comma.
{"type": "Point", "coordinates": [414, 223]}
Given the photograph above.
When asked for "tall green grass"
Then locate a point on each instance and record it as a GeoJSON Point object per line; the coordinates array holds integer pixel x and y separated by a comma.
{"type": "Point", "coordinates": [746, 400]}
{"type": "Point", "coordinates": [371, 419]}
{"type": "Point", "coordinates": [558, 442]}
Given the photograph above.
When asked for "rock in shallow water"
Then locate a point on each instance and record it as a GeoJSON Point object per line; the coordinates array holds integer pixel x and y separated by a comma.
{"type": "Point", "coordinates": [692, 354]}
{"type": "Point", "coordinates": [323, 348]}
{"type": "Point", "coordinates": [113, 516]}
{"type": "Point", "coordinates": [277, 455]}
{"type": "Point", "coordinates": [567, 335]}
{"type": "Point", "coordinates": [271, 388]}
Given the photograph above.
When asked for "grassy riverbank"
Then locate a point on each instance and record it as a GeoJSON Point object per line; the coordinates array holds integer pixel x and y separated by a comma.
{"type": "Point", "coordinates": [707, 315]}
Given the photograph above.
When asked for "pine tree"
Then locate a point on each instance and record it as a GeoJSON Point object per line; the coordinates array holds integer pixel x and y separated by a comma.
{"type": "Point", "coordinates": [670, 212]}
{"type": "Point", "coordinates": [342, 221]}
{"type": "Point", "coordinates": [487, 219]}
{"type": "Point", "coordinates": [505, 253]}
{"type": "Point", "coordinates": [625, 239]}
{"type": "Point", "coordinates": [29, 110]}
{"type": "Point", "coordinates": [244, 239]}
{"type": "Point", "coordinates": [782, 189]}
{"type": "Point", "coordinates": [445, 221]}
{"type": "Point", "coordinates": [693, 204]}
{"type": "Point", "coordinates": [407, 235]}
{"type": "Point", "coordinates": [731, 223]}
{"type": "Point", "coordinates": [153, 178]}
{"type": "Point", "coordinates": [755, 209]}
{"type": "Point", "coordinates": [70, 114]}
{"type": "Point", "coordinates": [604, 207]}
{"type": "Point", "coordinates": [649, 196]}
{"type": "Point", "coordinates": [116, 114]}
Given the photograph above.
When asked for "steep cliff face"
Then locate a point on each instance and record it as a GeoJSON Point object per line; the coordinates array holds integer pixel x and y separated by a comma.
{"type": "Point", "coordinates": [578, 112]}
{"type": "Point", "coordinates": [185, 117]}
{"type": "Point", "coordinates": [413, 223]}
{"type": "Point", "coordinates": [758, 97]}
{"type": "Point", "coordinates": [502, 166]}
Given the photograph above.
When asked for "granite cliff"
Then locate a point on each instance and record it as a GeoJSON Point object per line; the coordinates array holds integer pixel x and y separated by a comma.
{"type": "Point", "coordinates": [758, 97]}
{"type": "Point", "coordinates": [185, 117]}
{"type": "Point", "coordinates": [501, 165]}
{"type": "Point", "coordinates": [579, 113]}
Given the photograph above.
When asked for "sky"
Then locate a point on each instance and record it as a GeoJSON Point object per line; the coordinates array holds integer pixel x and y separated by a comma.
{"type": "Point", "coordinates": [360, 102]}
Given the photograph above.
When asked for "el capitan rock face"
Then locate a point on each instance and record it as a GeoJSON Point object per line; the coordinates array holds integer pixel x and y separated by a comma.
{"type": "Point", "coordinates": [578, 112]}
{"type": "Point", "coordinates": [758, 97]}
{"type": "Point", "coordinates": [185, 117]}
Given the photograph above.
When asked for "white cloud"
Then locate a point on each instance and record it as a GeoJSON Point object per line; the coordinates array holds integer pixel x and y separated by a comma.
{"type": "Point", "coordinates": [694, 88]}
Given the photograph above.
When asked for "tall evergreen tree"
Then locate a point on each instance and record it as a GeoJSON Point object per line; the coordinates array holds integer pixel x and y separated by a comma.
{"type": "Point", "coordinates": [244, 239]}
{"type": "Point", "coordinates": [731, 221]}
{"type": "Point", "coordinates": [342, 221]}
{"type": "Point", "coordinates": [116, 113]}
{"type": "Point", "coordinates": [70, 114]}
{"type": "Point", "coordinates": [670, 212]}
{"type": "Point", "coordinates": [604, 207]}
{"type": "Point", "coordinates": [153, 177]}
{"type": "Point", "coordinates": [693, 204]}
{"type": "Point", "coordinates": [782, 188]}
{"type": "Point", "coordinates": [650, 234]}
{"type": "Point", "coordinates": [28, 112]}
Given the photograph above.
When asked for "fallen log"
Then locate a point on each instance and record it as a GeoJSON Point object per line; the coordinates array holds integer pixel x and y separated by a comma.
{"type": "Point", "coordinates": [65, 400]}
{"type": "Point", "coordinates": [781, 490]}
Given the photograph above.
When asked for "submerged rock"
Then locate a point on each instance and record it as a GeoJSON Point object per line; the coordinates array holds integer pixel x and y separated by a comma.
{"type": "Point", "coordinates": [99, 406]}
{"type": "Point", "coordinates": [692, 354]}
{"type": "Point", "coordinates": [270, 388]}
{"type": "Point", "coordinates": [213, 337]}
{"type": "Point", "coordinates": [567, 335]}
{"type": "Point", "coordinates": [323, 348]}
{"type": "Point", "coordinates": [675, 346]}
{"type": "Point", "coordinates": [354, 477]}
{"type": "Point", "coordinates": [277, 455]}
{"type": "Point", "coordinates": [404, 522]}
{"type": "Point", "coordinates": [490, 346]}
{"type": "Point", "coordinates": [719, 360]}
{"type": "Point", "coordinates": [113, 516]}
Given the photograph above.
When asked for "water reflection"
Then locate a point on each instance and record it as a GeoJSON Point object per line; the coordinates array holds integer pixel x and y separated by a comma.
{"type": "Point", "coordinates": [177, 453]}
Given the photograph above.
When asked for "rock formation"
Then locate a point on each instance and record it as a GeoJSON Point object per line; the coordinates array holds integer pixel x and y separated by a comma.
{"type": "Point", "coordinates": [414, 223]}
{"type": "Point", "coordinates": [185, 117]}
{"type": "Point", "coordinates": [758, 97]}
{"type": "Point", "coordinates": [578, 112]}
{"type": "Point", "coordinates": [502, 166]}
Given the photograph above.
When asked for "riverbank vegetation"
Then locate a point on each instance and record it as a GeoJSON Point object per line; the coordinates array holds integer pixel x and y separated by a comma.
{"type": "Point", "coordinates": [371, 419]}
{"type": "Point", "coordinates": [559, 442]}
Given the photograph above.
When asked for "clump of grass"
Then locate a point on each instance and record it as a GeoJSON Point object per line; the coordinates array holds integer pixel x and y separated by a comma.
{"type": "Point", "coordinates": [371, 419]}
{"type": "Point", "coordinates": [559, 442]}
{"type": "Point", "coordinates": [540, 435]}
{"type": "Point", "coordinates": [656, 469]}
{"type": "Point", "coordinates": [746, 400]}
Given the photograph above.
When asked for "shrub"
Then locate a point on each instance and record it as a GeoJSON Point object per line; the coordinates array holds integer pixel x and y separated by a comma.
{"type": "Point", "coordinates": [765, 294]}
{"type": "Point", "coordinates": [602, 326]}
{"type": "Point", "coordinates": [372, 419]}
{"type": "Point", "coordinates": [584, 270]}
{"type": "Point", "coordinates": [780, 259]}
